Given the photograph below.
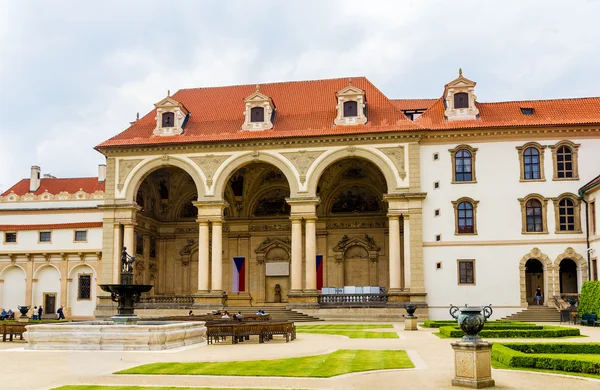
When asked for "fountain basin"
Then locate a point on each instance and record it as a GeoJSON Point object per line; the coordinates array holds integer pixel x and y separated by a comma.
{"type": "Point", "coordinates": [111, 336]}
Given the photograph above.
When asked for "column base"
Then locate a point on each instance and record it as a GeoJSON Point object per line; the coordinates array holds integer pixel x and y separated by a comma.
{"type": "Point", "coordinates": [238, 299]}
{"type": "Point", "coordinates": [209, 300]}
{"type": "Point", "coordinates": [410, 323]}
{"type": "Point", "coordinates": [472, 365]}
{"type": "Point", "coordinates": [303, 299]}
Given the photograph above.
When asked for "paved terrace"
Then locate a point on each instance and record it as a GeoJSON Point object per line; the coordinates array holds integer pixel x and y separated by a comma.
{"type": "Point", "coordinates": [432, 356]}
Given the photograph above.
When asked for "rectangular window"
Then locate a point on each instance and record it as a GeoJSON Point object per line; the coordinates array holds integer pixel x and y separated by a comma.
{"type": "Point", "coordinates": [593, 218]}
{"type": "Point", "coordinates": [45, 236]}
{"type": "Point", "coordinates": [466, 271]}
{"type": "Point", "coordinates": [80, 235]}
{"type": "Point", "coordinates": [84, 290]}
{"type": "Point", "coordinates": [10, 237]}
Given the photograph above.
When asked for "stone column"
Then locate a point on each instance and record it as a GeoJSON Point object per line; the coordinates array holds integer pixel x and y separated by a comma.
{"type": "Point", "coordinates": [406, 239]}
{"type": "Point", "coordinates": [128, 239]}
{"type": "Point", "coordinates": [394, 255]}
{"type": "Point", "coordinates": [217, 258]}
{"type": "Point", "coordinates": [311, 254]}
{"type": "Point", "coordinates": [296, 254]}
{"type": "Point", "coordinates": [116, 253]}
{"type": "Point", "coordinates": [203, 270]}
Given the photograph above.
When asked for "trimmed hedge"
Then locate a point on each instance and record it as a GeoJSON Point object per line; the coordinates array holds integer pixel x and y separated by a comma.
{"type": "Point", "coordinates": [488, 324]}
{"type": "Point", "coordinates": [513, 358]}
{"type": "Point", "coordinates": [588, 348]}
{"type": "Point", "coordinates": [589, 300]}
{"type": "Point", "coordinates": [545, 332]}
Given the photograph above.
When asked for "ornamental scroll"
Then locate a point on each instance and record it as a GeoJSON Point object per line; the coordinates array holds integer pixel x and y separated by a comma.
{"type": "Point", "coordinates": [125, 168]}
{"type": "Point", "coordinates": [209, 165]}
{"type": "Point", "coordinates": [396, 154]}
{"type": "Point", "coordinates": [302, 160]}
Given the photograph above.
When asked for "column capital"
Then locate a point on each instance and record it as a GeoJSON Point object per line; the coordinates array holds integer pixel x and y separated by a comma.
{"type": "Point", "coordinates": [202, 222]}
{"type": "Point", "coordinates": [393, 216]}
{"type": "Point", "coordinates": [303, 207]}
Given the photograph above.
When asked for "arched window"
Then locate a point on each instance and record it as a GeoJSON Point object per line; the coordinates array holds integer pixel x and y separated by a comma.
{"type": "Point", "coordinates": [257, 114]}
{"type": "Point", "coordinates": [168, 119]}
{"type": "Point", "coordinates": [463, 168]}
{"type": "Point", "coordinates": [566, 215]}
{"type": "Point", "coordinates": [534, 216]}
{"type": "Point", "coordinates": [461, 100]}
{"type": "Point", "coordinates": [465, 218]}
{"type": "Point", "coordinates": [531, 164]}
{"type": "Point", "coordinates": [564, 162]}
{"type": "Point", "coordinates": [350, 109]}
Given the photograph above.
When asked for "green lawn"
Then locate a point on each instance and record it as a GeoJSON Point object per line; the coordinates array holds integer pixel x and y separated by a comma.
{"type": "Point", "coordinates": [94, 387]}
{"type": "Point", "coordinates": [357, 331]}
{"type": "Point", "coordinates": [340, 362]}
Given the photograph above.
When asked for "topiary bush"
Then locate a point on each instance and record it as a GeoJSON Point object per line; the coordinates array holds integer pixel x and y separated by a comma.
{"type": "Point", "coordinates": [505, 354]}
{"type": "Point", "coordinates": [589, 300]}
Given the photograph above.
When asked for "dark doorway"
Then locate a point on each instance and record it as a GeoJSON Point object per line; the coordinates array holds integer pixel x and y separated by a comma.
{"type": "Point", "coordinates": [534, 277]}
{"type": "Point", "coordinates": [49, 303]}
{"type": "Point", "coordinates": [568, 277]}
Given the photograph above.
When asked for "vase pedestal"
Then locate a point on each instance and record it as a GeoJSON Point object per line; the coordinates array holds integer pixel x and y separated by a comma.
{"type": "Point", "coordinates": [473, 365]}
{"type": "Point", "coordinates": [410, 323]}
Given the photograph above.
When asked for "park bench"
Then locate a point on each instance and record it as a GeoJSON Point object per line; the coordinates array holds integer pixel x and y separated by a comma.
{"type": "Point", "coordinates": [12, 330]}
{"type": "Point", "coordinates": [589, 319]}
{"type": "Point", "coordinates": [239, 331]}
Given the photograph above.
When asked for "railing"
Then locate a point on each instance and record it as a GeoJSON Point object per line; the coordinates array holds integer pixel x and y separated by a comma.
{"type": "Point", "coordinates": [161, 301]}
{"type": "Point", "coordinates": [352, 300]}
{"type": "Point", "coordinates": [567, 297]}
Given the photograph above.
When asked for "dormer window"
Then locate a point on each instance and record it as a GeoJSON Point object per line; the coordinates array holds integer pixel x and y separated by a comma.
{"type": "Point", "coordinates": [527, 111]}
{"type": "Point", "coordinates": [171, 117]}
{"type": "Point", "coordinates": [350, 109]}
{"type": "Point", "coordinates": [168, 118]}
{"type": "Point", "coordinates": [459, 98]}
{"type": "Point", "coordinates": [351, 106]}
{"type": "Point", "coordinates": [259, 111]}
{"type": "Point", "coordinates": [257, 114]}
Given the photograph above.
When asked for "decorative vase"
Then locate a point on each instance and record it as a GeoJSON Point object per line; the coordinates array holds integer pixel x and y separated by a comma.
{"type": "Point", "coordinates": [471, 320]}
{"type": "Point", "coordinates": [23, 310]}
{"type": "Point", "coordinates": [410, 309]}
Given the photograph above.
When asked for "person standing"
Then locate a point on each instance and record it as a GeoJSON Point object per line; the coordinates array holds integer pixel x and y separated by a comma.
{"type": "Point", "coordinates": [40, 311]}
{"type": "Point", "coordinates": [538, 296]}
{"type": "Point", "coordinates": [34, 314]}
{"type": "Point", "coordinates": [61, 315]}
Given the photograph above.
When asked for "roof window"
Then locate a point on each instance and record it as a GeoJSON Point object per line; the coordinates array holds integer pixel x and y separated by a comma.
{"type": "Point", "coordinates": [527, 110]}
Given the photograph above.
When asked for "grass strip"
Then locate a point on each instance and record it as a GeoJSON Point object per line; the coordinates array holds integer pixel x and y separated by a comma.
{"type": "Point", "coordinates": [353, 334]}
{"type": "Point", "coordinates": [346, 327]}
{"type": "Point", "coordinates": [97, 387]}
{"type": "Point", "coordinates": [343, 361]}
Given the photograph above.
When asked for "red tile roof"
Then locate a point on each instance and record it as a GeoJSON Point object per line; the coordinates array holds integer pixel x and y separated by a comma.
{"type": "Point", "coordinates": [588, 186]}
{"type": "Point", "coordinates": [49, 226]}
{"type": "Point", "coordinates": [413, 104]}
{"type": "Point", "coordinates": [303, 108]}
{"type": "Point", "coordinates": [508, 114]}
{"type": "Point", "coordinates": [55, 186]}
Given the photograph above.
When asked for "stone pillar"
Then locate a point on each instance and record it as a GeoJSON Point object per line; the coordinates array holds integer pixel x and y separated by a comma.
{"type": "Point", "coordinates": [311, 254]}
{"type": "Point", "coordinates": [116, 253]}
{"type": "Point", "coordinates": [394, 255]}
{"type": "Point", "coordinates": [406, 239]}
{"type": "Point", "coordinates": [217, 258]}
{"type": "Point", "coordinates": [296, 254]}
{"type": "Point", "coordinates": [203, 270]}
{"type": "Point", "coordinates": [472, 365]}
{"type": "Point", "coordinates": [128, 239]}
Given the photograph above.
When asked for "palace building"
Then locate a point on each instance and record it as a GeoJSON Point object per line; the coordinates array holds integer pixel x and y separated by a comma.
{"type": "Point", "coordinates": [323, 196]}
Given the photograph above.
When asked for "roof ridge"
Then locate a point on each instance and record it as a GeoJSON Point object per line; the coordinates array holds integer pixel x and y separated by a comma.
{"type": "Point", "coordinates": [275, 83]}
{"type": "Point", "coordinates": [540, 100]}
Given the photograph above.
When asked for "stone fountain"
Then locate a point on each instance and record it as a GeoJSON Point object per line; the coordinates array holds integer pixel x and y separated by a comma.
{"type": "Point", "coordinates": [472, 356]}
{"type": "Point", "coordinates": [126, 331]}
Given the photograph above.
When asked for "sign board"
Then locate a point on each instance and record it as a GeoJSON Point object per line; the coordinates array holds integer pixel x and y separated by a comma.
{"type": "Point", "coordinates": [278, 268]}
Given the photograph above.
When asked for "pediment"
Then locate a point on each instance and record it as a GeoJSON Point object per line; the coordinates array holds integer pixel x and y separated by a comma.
{"type": "Point", "coordinates": [461, 82]}
{"type": "Point", "coordinates": [270, 243]}
{"type": "Point", "coordinates": [257, 97]}
{"type": "Point", "coordinates": [168, 102]}
{"type": "Point", "coordinates": [366, 242]}
{"type": "Point", "coordinates": [350, 90]}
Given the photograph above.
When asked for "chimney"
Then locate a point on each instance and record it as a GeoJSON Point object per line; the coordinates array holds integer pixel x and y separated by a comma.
{"type": "Point", "coordinates": [101, 173]}
{"type": "Point", "coordinates": [34, 181]}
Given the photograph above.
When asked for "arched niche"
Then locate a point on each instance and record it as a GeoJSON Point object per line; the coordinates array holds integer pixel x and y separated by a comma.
{"type": "Point", "coordinates": [547, 267]}
{"type": "Point", "coordinates": [274, 255]}
{"type": "Point", "coordinates": [358, 256]}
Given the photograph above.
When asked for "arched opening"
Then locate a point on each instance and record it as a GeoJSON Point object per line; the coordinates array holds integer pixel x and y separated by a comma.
{"type": "Point", "coordinates": [568, 276]}
{"type": "Point", "coordinates": [534, 278]}
{"type": "Point", "coordinates": [354, 214]}
{"type": "Point", "coordinates": [166, 223]}
{"type": "Point", "coordinates": [13, 289]}
{"type": "Point", "coordinates": [81, 300]}
{"type": "Point", "coordinates": [46, 291]}
{"type": "Point", "coordinates": [257, 249]}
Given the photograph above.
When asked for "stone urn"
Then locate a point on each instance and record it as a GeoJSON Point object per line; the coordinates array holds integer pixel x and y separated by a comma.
{"type": "Point", "coordinates": [410, 309]}
{"type": "Point", "coordinates": [471, 320]}
{"type": "Point", "coordinates": [23, 310]}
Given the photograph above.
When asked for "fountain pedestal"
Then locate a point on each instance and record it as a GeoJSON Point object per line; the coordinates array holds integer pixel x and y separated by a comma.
{"type": "Point", "coordinates": [472, 356]}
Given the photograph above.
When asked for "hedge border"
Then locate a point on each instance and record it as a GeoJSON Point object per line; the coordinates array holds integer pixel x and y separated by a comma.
{"type": "Point", "coordinates": [513, 358]}
{"type": "Point", "coordinates": [440, 323]}
{"type": "Point", "coordinates": [545, 332]}
{"type": "Point", "coordinates": [589, 300]}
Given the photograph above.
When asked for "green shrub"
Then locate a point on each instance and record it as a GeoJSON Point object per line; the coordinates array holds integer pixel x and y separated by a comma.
{"type": "Point", "coordinates": [513, 358]}
{"type": "Point", "coordinates": [544, 332]}
{"type": "Point", "coordinates": [588, 348]}
{"type": "Point", "coordinates": [439, 323]}
{"type": "Point", "coordinates": [589, 300]}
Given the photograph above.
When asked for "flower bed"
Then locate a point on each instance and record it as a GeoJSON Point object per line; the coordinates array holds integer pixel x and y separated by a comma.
{"type": "Point", "coordinates": [568, 357]}
{"type": "Point", "coordinates": [515, 332]}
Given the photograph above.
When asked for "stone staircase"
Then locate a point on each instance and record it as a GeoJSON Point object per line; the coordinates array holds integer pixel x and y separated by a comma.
{"type": "Point", "coordinates": [536, 314]}
{"type": "Point", "coordinates": [278, 313]}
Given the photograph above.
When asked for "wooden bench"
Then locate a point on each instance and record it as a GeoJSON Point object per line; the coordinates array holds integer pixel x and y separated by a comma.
{"type": "Point", "coordinates": [11, 330]}
{"type": "Point", "coordinates": [218, 331]}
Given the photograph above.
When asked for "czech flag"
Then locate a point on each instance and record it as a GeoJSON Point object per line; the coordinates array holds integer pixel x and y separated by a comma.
{"type": "Point", "coordinates": [239, 274]}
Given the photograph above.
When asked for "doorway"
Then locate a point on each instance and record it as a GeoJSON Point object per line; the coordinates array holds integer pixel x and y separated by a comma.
{"type": "Point", "coordinates": [49, 303]}
{"type": "Point", "coordinates": [534, 277]}
{"type": "Point", "coordinates": [568, 277]}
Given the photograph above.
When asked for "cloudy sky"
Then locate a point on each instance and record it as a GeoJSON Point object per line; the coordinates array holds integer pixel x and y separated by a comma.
{"type": "Point", "coordinates": [74, 73]}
